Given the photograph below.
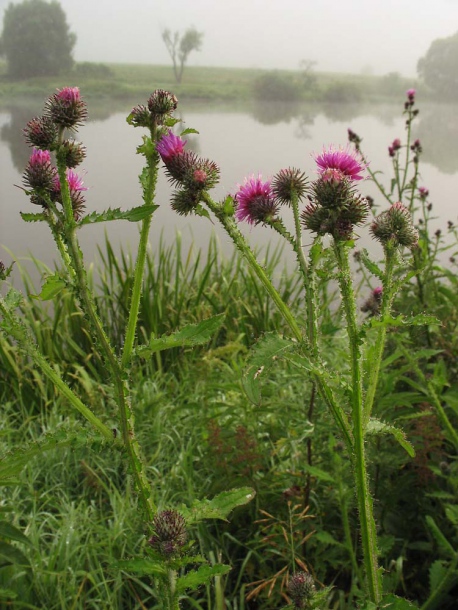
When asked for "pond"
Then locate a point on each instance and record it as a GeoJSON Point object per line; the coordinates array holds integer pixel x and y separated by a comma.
{"type": "Point", "coordinates": [262, 138]}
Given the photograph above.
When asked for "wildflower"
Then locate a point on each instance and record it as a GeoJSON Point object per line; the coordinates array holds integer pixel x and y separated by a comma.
{"type": "Point", "coordinates": [41, 133]}
{"type": "Point", "coordinates": [170, 533]}
{"type": "Point", "coordinates": [340, 163]}
{"type": "Point", "coordinates": [354, 138]}
{"type": "Point", "coordinates": [140, 116]}
{"type": "Point", "coordinates": [395, 226]}
{"type": "Point", "coordinates": [373, 302]}
{"type": "Point", "coordinates": [185, 201]}
{"type": "Point", "coordinates": [162, 104]}
{"type": "Point", "coordinates": [395, 146]}
{"type": "Point", "coordinates": [289, 183]}
{"type": "Point", "coordinates": [423, 192]}
{"type": "Point", "coordinates": [39, 173]}
{"type": "Point", "coordinates": [255, 201]}
{"type": "Point", "coordinates": [411, 94]}
{"type": "Point", "coordinates": [301, 588]}
{"type": "Point", "coordinates": [76, 188]}
{"type": "Point", "coordinates": [169, 146]}
{"type": "Point", "coordinates": [66, 108]}
{"type": "Point", "coordinates": [337, 221]}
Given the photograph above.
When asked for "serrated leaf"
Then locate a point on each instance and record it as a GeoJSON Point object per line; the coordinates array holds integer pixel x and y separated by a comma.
{"type": "Point", "coordinates": [326, 538]}
{"type": "Point", "coordinates": [439, 537]}
{"type": "Point", "coordinates": [451, 510]}
{"type": "Point", "coordinates": [370, 265]}
{"type": "Point", "coordinates": [148, 147]}
{"type": "Point", "coordinates": [132, 215]}
{"type": "Point", "coordinates": [437, 572]}
{"type": "Point", "coordinates": [393, 602]}
{"type": "Point", "coordinates": [418, 320]}
{"type": "Point", "coordinates": [375, 426]}
{"type": "Point", "coordinates": [228, 206]}
{"type": "Point", "coordinates": [199, 210]}
{"type": "Point", "coordinates": [52, 286]}
{"type": "Point", "coordinates": [13, 298]}
{"type": "Point", "coordinates": [203, 574]}
{"type": "Point", "coordinates": [262, 357]}
{"type": "Point", "coordinates": [188, 130]}
{"type": "Point", "coordinates": [12, 533]}
{"type": "Point", "coordinates": [319, 474]}
{"type": "Point", "coordinates": [29, 217]}
{"type": "Point", "coordinates": [141, 565]}
{"type": "Point", "coordinates": [12, 555]}
{"type": "Point", "coordinates": [219, 507]}
{"type": "Point", "coordinates": [188, 336]}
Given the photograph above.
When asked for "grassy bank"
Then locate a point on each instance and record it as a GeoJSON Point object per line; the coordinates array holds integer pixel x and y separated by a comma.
{"type": "Point", "coordinates": [136, 81]}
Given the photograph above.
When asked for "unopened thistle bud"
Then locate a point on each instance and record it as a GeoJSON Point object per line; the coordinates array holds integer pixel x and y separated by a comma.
{"type": "Point", "coordinates": [185, 201]}
{"type": "Point", "coordinates": [162, 104]}
{"type": "Point", "coordinates": [41, 133]}
{"type": "Point", "coordinates": [395, 226]}
{"type": "Point", "coordinates": [66, 108]}
{"type": "Point", "coordinates": [301, 588]}
{"type": "Point", "coordinates": [170, 533]}
{"type": "Point", "coordinates": [289, 183]}
{"type": "Point", "coordinates": [74, 153]}
{"type": "Point", "coordinates": [373, 302]}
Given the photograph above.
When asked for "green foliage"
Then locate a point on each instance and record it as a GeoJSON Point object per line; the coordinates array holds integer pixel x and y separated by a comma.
{"type": "Point", "coordinates": [277, 86]}
{"type": "Point", "coordinates": [438, 68]}
{"type": "Point", "coordinates": [36, 39]}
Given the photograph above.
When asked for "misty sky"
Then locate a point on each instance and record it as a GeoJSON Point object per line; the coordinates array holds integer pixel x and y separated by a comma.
{"type": "Point", "coordinates": [348, 36]}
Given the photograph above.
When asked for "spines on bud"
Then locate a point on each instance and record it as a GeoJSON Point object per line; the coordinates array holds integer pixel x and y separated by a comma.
{"type": "Point", "coordinates": [162, 104]}
{"type": "Point", "coordinates": [66, 108]}
{"type": "Point", "coordinates": [170, 533]}
{"type": "Point", "coordinates": [394, 226]}
{"type": "Point", "coordinates": [41, 132]}
{"type": "Point", "coordinates": [301, 588]}
{"type": "Point", "coordinates": [289, 183]}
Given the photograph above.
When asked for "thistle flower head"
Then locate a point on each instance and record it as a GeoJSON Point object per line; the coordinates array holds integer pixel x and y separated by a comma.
{"type": "Point", "coordinates": [340, 163]}
{"type": "Point", "coordinates": [140, 116]}
{"type": "Point", "coordinates": [411, 94]}
{"type": "Point", "coordinates": [76, 188]}
{"type": "Point", "coordinates": [39, 174]}
{"type": "Point", "coordinates": [169, 146]}
{"type": "Point", "coordinates": [301, 588]}
{"type": "Point", "coordinates": [185, 201]}
{"type": "Point", "coordinates": [74, 153]}
{"type": "Point", "coordinates": [424, 193]}
{"type": "Point", "coordinates": [373, 302]}
{"type": "Point", "coordinates": [255, 201]}
{"type": "Point", "coordinates": [162, 104]}
{"type": "Point", "coordinates": [289, 183]}
{"type": "Point", "coordinates": [170, 533]}
{"type": "Point", "coordinates": [66, 108]}
{"type": "Point", "coordinates": [395, 226]}
{"type": "Point", "coordinates": [41, 132]}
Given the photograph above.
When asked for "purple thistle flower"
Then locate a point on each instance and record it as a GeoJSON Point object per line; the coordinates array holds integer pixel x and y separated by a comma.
{"type": "Point", "coordinates": [70, 95]}
{"type": "Point", "coordinates": [76, 188]}
{"type": "Point", "coordinates": [39, 173]}
{"type": "Point", "coordinates": [423, 192]}
{"type": "Point", "coordinates": [411, 94]}
{"type": "Point", "coordinates": [169, 146]}
{"type": "Point", "coordinates": [255, 201]}
{"type": "Point", "coordinates": [66, 108]}
{"type": "Point", "coordinates": [39, 158]}
{"type": "Point", "coordinates": [338, 164]}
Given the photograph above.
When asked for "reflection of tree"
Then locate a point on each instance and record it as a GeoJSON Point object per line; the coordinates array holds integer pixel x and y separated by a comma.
{"type": "Point", "coordinates": [438, 132]}
{"type": "Point", "coordinates": [305, 119]}
{"type": "Point", "coordinates": [270, 113]}
{"type": "Point", "coordinates": [12, 134]}
{"type": "Point", "coordinates": [342, 112]}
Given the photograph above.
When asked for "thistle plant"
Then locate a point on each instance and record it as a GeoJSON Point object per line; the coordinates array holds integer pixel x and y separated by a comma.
{"type": "Point", "coordinates": [331, 209]}
{"type": "Point", "coordinates": [52, 183]}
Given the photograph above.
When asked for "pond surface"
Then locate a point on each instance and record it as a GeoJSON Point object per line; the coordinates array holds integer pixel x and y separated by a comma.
{"type": "Point", "coordinates": [242, 141]}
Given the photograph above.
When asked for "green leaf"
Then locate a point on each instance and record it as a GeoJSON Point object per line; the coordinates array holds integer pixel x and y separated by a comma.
{"type": "Point", "coordinates": [141, 565]}
{"type": "Point", "coordinates": [451, 510]}
{"type": "Point", "coordinates": [319, 474]}
{"type": "Point", "coordinates": [29, 217]}
{"type": "Point", "coordinates": [7, 594]}
{"type": "Point", "coordinates": [188, 130]}
{"type": "Point", "coordinates": [13, 298]}
{"type": "Point", "coordinates": [437, 573]}
{"type": "Point", "coordinates": [442, 542]}
{"type": "Point", "coordinates": [203, 574]}
{"type": "Point", "coordinates": [418, 320]}
{"type": "Point", "coordinates": [370, 265]}
{"type": "Point", "coordinates": [11, 555]}
{"type": "Point", "coordinates": [51, 288]}
{"type": "Point", "coordinates": [262, 357]}
{"type": "Point", "coordinates": [393, 602]}
{"type": "Point", "coordinates": [188, 336]}
{"type": "Point", "coordinates": [228, 206]}
{"type": "Point", "coordinates": [132, 215]}
{"type": "Point", "coordinates": [219, 507]}
{"type": "Point", "coordinates": [375, 426]}
{"type": "Point", "coordinates": [201, 211]}
{"type": "Point", "coordinates": [12, 533]}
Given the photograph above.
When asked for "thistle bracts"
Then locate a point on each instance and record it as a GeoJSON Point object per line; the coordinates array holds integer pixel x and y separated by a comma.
{"type": "Point", "coordinates": [394, 226]}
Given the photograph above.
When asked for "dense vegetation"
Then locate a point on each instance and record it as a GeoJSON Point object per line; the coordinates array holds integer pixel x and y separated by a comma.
{"type": "Point", "coordinates": [70, 513]}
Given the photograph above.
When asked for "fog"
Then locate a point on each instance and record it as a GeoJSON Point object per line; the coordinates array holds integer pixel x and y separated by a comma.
{"type": "Point", "coordinates": [372, 36]}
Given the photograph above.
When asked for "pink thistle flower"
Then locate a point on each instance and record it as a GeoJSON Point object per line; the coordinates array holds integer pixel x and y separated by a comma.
{"type": "Point", "coordinates": [70, 95]}
{"type": "Point", "coordinates": [39, 173]}
{"type": "Point", "coordinates": [39, 158]}
{"type": "Point", "coordinates": [377, 292]}
{"type": "Point", "coordinates": [423, 192]}
{"type": "Point", "coordinates": [338, 164]}
{"type": "Point", "coordinates": [255, 201]}
{"type": "Point", "coordinates": [75, 182]}
{"type": "Point", "coordinates": [169, 146]}
{"type": "Point", "coordinates": [411, 94]}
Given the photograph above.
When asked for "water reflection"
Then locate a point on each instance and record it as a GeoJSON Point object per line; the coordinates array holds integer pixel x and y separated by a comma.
{"type": "Point", "coordinates": [437, 130]}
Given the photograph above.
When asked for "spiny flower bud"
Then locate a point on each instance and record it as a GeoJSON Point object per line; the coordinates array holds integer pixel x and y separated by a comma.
{"type": "Point", "coordinates": [66, 108]}
{"type": "Point", "coordinates": [162, 104]}
{"type": "Point", "coordinates": [256, 201]}
{"type": "Point", "coordinates": [76, 188]}
{"type": "Point", "coordinates": [338, 222]}
{"type": "Point", "coordinates": [41, 133]}
{"type": "Point", "coordinates": [373, 302]}
{"type": "Point", "coordinates": [185, 201]}
{"type": "Point", "coordinates": [331, 191]}
{"type": "Point", "coordinates": [395, 226]}
{"type": "Point", "coordinates": [140, 116]}
{"type": "Point", "coordinates": [170, 533]}
{"type": "Point", "coordinates": [289, 183]}
{"type": "Point", "coordinates": [74, 153]}
{"type": "Point", "coordinates": [39, 174]}
{"type": "Point", "coordinates": [301, 588]}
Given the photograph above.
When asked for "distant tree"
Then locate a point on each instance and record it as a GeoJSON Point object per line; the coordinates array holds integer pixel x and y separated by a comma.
{"type": "Point", "coordinates": [36, 39]}
{"type": "Point", "coordinates": [439, 67]}
{"type": "Point", "coordinates": [180, 46]}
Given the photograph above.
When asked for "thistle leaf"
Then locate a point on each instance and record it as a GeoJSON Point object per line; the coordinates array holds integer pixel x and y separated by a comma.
{"type": "Point", "coordinates": [217, 508]}
{"type": "Point", "coordinates": [203, 574]}
{"type": "Point", "coordinates": [133, 215]}
{"type": "Point", "coordinates": [375, 426]}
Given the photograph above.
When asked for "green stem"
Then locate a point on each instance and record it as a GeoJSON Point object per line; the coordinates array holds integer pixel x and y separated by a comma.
{"type": "Point", "coordinates": [364, 499]}
{"type": "Point", "coordinates": [406, 168]}
{"type": "Point", "coordinates": [377, 352]}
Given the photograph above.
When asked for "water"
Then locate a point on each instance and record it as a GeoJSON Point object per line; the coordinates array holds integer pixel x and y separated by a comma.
{"type": "Point", "coordinates": [242, 141]}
